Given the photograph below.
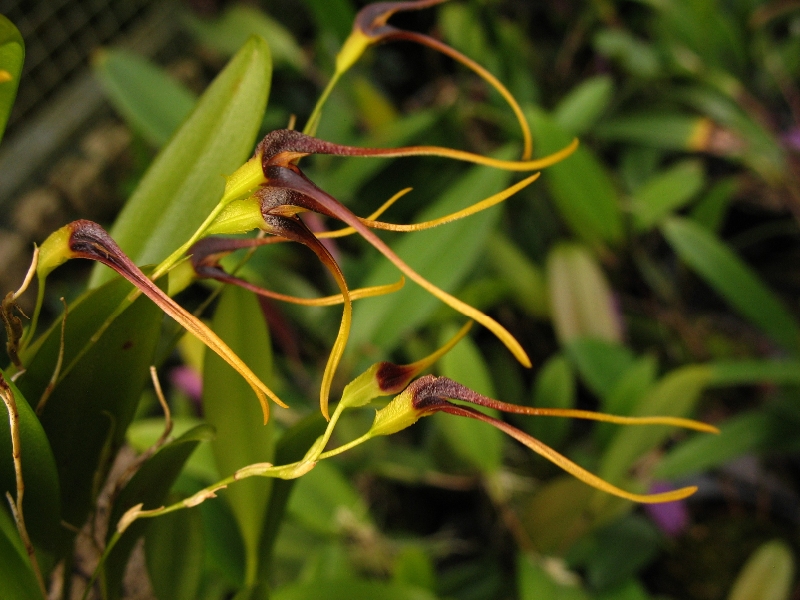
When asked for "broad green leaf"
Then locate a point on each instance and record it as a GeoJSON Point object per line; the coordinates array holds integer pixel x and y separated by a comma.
{"type": "Point", "coordinates": [752, 142]}
{"type": "Point", "coordinates": [742, 433]}
{"type": "Point", "coordinates": [630, 590]}
{"type": "Point", "coordinates": [93, 403]}
{"type": "Point", "coordinates": [230, 31]}
{"type": "Point", "coordinates": [478, 443]}
{"type": "Point", "coordinates": [463, 28]}
{"type": "Point", "coordinates": [581, 303]}
{"type": "Point", "coordinates": [525, 278]}
{"type": "Point", "coordinates": [767, 575]}
{"type": "Point", "coordinates": [173, 547]}
{"type": "Point", "coordinates": [710, 210]}
{"type": "Point", "coordinates": [187, 178]}
{"type": "Point", "coordinates": [413, 566]}
{"type": "Point", "coordinates": [669, 131]}
{"type": "Point", "coordinates": [225, 553]}
{"type": "Point", "coordinates": [600, 363]}
{"type": "Point", "coordinates": [41, 501]}
{"type": "Point", "coordinates": [291, 447]}
{"type": "Point", "coordinates": [666, 192]}
{"type": "Point", "coordinates": [584, 104]}
{"type": "Point", "coordinates": [554, 388]}
{"type": "Point", "coordinates": [256, 592]}
{"type": "Point", "coordinates": [674, 396]}
{"type": "Point", "coordinates": [580, 186]}
{"type": "Point", "coordinates": [635, 56]}
{"type": "Point", "coordinates": [350, 589]}
{"type": "Point", "coordinates": [561, 512]}
{"type": "Point", "coordinates": [12, 55]}
{"type": "Point", "coordinates": [539, 578]}
{"type": "Point", "coordinates": [625, 394]}
{"type": "Point", "coordinates": [754, 371]}
{"type": "Point", "coordinates": [323, 499]}
{"type": "Point", "coordinates": [443, 255]}
{"type": "Point", "coordinates": [615, 552]}
{"type": "Point", "coordinates": [17, 580]}
{"type": "Point", "coordinates": [149, 486]}
{"type": "Point", "coordinates": [737, 283]}
{"type": "Point", "coordinates": [143, 433]}
{"type": "Point", "coordinates": [231, 407]}
{"type": "Point", "coordinates": [151, 102]}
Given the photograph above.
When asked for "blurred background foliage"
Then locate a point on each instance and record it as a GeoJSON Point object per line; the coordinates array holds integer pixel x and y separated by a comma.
{"type": "Point", "coordinates": [653, 272]}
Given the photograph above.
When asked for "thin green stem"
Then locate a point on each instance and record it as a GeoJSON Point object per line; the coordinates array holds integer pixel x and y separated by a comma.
{"type": "Point", "coordinates": [347, 446]}
{"type": "Point", "coordinates": [313, 120]}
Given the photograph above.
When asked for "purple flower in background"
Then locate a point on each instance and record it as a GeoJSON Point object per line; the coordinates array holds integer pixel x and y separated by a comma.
{"type": "Point", "coordinates": [671, 517]}
{"type": "Point", "coordinates": [187, 380]}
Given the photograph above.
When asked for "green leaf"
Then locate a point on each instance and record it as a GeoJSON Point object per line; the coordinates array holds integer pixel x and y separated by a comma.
{"type": "Point", "coordinates": [755, 371]}
{"type": "Point", "coordinates": [525, 278]}
{"type": "Point", "coordinates": [612, 554]}
{"type": "Point", "coordinates": [173, 548]}
{"type": "Point", "coordinates": [291, 447]}
{"type": "Point", "coordinates": [637, 57]}
{"type": "Point", "coordinates": [350, 589]}
{"type": "Point", "coordinates": [12, 55]}
{"type": "Point", "coordinates": [90, 408]}
{"type": "Point", "coordinates": [17, 580]}
{"type": "Point", "coordinates": [186, 180]}
{"type": "Point", "coordinates": [322, 496]}
{"type": "Point", "coordinates": [151, 102]}
{"type": "Point", "coordinates": [600, 363]}
{"type": "Point", "coordinates": [579, 185]}
{"type": "Point", "coordinates": [537, 579]}
{"type": "Point", "coordinates": [143, 433]}
{"type": "Point", "coordinates": [674, 396]}
{"type": "Point", "coordinates": [767, 574]}
{"type": "Point", "coordinates": [742, 433]}
{"type": "Point", "coordinates": [231, 407]}
{"type": "Point", "coordinates": [149, 486]}
{"type": "Point", "coordinates": [584, 104]}
{"type": "Point", "coordinates": [41, 501]}
{"type": "Point", "coordinates": [581, 303]}
{"type": "Point", "coordinates": [737, 283]}
{"type": "Point", "coordinates": [710, 210]}
{"type": "Point", "coordinates": [443, 255]}
{"type": "Point", "coordinates": [478, 443]}
{"type": "Point", "coordinates": [554, 388]}
{"type": "Point", "coordinates": [230, 31]}
{"type": "Point", "coordinates": [625, 394]}
{"type": "Point", "coordinates": [666, 192]}
{"type": "Point", "coordinates": [413, 566]}
{"type": "Point", "coordinates": [668, 131]}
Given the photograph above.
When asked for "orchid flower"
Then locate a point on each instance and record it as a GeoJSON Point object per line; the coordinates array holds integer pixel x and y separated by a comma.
{"type": "Point", "coordinates": [429, 394]}
{"type": "Point", "coordinates": [282, 191]}
{"type": "Point", "coordinates": [371, 27]}
{"type": "Point", "coordinates": [86, 239]}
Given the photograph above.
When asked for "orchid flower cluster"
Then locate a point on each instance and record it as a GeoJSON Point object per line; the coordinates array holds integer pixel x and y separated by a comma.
{"type": "Point", "coordinates": [268, 193]}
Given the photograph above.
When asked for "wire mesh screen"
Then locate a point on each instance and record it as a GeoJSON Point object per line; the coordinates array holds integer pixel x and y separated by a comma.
{"type": "Point", "coordinates": [60, 36]}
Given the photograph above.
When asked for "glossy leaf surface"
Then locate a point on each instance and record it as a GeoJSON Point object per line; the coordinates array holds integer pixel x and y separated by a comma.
{"type": "Point", "coordinates": [90, 408]}
{"type": "Point", "coordinates": [151, 102]}
{"type": "Point", "coordinates": [232, 408]}
{"type": "Point", "coordinates": [149, 486]}
{"type": "Point", "coordinates": [187, 178]}
{"type": "Point", "coordinates": [724, 271]}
